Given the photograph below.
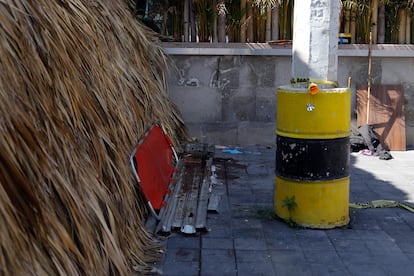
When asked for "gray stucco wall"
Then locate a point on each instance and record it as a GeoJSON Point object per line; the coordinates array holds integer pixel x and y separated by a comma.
{"type": "Point", "coordinates": [228, 96]}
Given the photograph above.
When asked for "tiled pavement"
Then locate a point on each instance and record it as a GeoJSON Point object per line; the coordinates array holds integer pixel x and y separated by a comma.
{"type": "Point", "coordinates": [244, 238]}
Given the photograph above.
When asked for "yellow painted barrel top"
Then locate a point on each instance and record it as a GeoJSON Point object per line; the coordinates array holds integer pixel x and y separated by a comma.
{"type": "Point", "coordinates": [330, 117]}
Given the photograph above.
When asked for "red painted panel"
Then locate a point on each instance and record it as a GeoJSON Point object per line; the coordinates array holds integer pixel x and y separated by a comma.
{"type": "Point", "coordinates": [155, 165]}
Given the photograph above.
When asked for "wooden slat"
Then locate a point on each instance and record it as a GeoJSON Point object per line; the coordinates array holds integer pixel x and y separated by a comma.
{"type": "Point", "coordinates": [186, 209]}
{"type": "Point", "coordinates": [201, 217]}
{"type": "Point", "coordinates": [386, 114]}
{"type": "Point", "coordinates": [167, 217]}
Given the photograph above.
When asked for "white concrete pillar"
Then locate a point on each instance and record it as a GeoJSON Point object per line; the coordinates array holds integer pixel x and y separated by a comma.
{"type": "Point", "coordinates": [315, 39]}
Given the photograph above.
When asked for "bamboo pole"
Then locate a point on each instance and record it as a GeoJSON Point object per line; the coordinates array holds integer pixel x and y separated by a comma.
{"type": "Point", "coordinates": [286, 6]}
{"type": "Point", "coordinates": [352, 26]}
{"type": "Point", "coordinates": [402, 15]}
{"type": "Point", "coordinates": [369, 74]}
{"type": "Point", "coordinates": [268, 23]}
{"type": "Point", "coordinates": [250, 15]}
{"type": "Point", "coordinates": [275, 22]}
{"type": "Point", "coordinates": [374, 21]}
{"type": "Point", "coordinates": [215, 32]}
{"type": "Point", "coordinates": [243, 31]}
{"type": "Point", "coordinates": [347, 25]}
{"type": "Point", "coordinates": [408, 29]}
{"type": "Point", "coordinates": [186, 20]}
{"type": "Point", "coordinates": [381, 24]}
{"type": "Point", "coordinates": [193, 32]}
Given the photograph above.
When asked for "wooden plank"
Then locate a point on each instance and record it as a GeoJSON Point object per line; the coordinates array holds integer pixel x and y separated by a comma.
{"type": "Point", "coordinates": [386, 114]}
{"type": "Point", "coordinates": [186, 209]}
{"type": "Point", "coordinates": [167, 217]}
{"type": "Point", "coordinates": [188, 224]}
{"type": "Point", "coordinates": [201, 217]}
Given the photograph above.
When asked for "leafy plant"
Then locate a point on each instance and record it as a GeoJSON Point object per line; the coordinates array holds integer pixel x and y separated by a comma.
{"type": "Point", "coordinates": [290, 204]}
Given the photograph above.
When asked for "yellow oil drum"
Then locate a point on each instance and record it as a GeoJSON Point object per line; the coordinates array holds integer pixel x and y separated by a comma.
{"type": "Point", "coordinates": [312, 156]}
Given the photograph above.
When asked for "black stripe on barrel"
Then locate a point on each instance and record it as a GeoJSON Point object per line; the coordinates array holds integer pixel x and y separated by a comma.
{"type": "Point", "coordinates": [312, 159]}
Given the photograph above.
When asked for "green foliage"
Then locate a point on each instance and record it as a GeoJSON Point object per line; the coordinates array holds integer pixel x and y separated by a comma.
{"type": "Point", "coordinates": [290, 203]}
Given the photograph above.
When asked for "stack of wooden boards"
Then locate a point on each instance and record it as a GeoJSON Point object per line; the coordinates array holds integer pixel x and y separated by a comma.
{"type": "Point", "coordinates": [177, 188]}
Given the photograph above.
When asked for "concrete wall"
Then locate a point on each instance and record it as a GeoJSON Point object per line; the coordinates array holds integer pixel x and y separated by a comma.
{"type": "Point", "coordinates": [228, 96]}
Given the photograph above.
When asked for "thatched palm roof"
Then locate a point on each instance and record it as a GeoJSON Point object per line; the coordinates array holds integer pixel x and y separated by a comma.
{"type": "Point", "coordinates": [79, 83]}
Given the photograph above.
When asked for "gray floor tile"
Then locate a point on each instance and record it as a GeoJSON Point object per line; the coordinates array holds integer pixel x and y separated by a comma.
{"type": "Point", "coordinates": [352, 258]}
{"type": "Point", "coordinates": [292, 269]}
{"type": "Point", "coordinates": [381, 246]}
{"type": "Point", "coordinates": [264, 268]}
{"type": "Point", "coordinates": [311, 234]}
{"type": "Point", "coordinates": [342, 244]}
{"type": "Point", "coordinates": [218, 262]}
{"type": "Point", "coordinates": [248, 232]}
{"type": "Point", "coordinates": [214, 269]}
{"type": "Point", "coordinates": [219, 231]}
{"type": "Point", "coordinates": [368, 234]}
{"type": "Point", "coordinates": [181, 269]}
{"type": "Point", "coordinates": [252, 256]}
{"type": "Point", "coordinates": [283, 244]}
{"type": "Point", "coordinates": [398, 269]}
{"type": "Point", "coordinates": [250, 244]}
{"type": "Point", "coordinates": [410, 256]}
{"type": "Point", "coordinates": [179, 241]}
{"type": "Point", "coordinates": [217, 243]}
{"type": "Point", "coordinates": [366, 270]}
{"type": "Point", "coordinates": [322, 257]}
{"type": "Point", "coordinates": [182, 255]}
{"type": "Point", "coordinates": [287, 256]}
{"type": "Point", "coordinates": [316, 244]}
{"type": "Point", "coordinates": [335, 269]}
{"type": "Point", "coordinates": [217, 256]}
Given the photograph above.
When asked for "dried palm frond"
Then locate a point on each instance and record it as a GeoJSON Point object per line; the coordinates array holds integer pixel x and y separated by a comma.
{"type": "Point", "coordinates": [80, 82]}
